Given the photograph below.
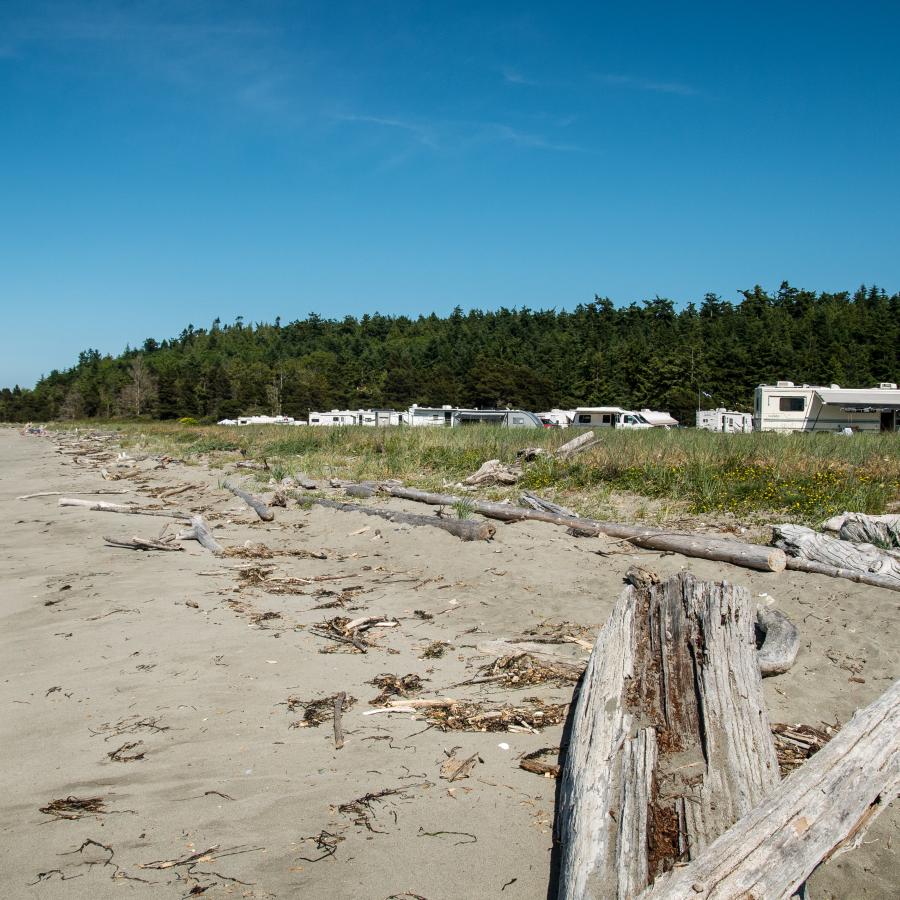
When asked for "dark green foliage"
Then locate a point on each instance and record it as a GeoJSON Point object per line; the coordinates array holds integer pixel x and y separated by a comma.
{"type": "Point", "coordinates": [647, 355]}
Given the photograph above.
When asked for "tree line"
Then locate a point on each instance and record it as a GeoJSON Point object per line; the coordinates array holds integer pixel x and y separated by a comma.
{"type": "Point", "coordinates": [647, 354]}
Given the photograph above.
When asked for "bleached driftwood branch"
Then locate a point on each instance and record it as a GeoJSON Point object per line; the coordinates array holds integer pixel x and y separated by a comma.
{"type": "Point", "coordinates": [199, 532]}
{"type": "Point", "coordinates": [101, 506]}
{"type": "Point", "coordinates": [820, 810]}
{"type": "Point", "coordinates": [260, 507]}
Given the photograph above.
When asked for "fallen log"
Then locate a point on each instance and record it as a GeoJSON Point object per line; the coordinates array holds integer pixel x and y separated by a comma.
{"type": "Point", "coordinates": [805, 544]}
{"type": "Point", "coordinates": [101, 506]}
{"type": "Point", "coordinates": [464, 529]}
{"type": "Point", "coordinates": [750, 556]}
{"type": "Point", "coordinates": [670, 742]}
{"type": "Point", "coordinates": [493, 472]}
{"type": "Point", "coordinates": [255, 503]}
{"type": "Point", "coordinates": [816, 568]}
{"type": "Point", "coordinates": [60, 493]}
{"type": "Point", "coordinates": [199, 532]}
{"type": "Point", "coordinates": [820, 810]}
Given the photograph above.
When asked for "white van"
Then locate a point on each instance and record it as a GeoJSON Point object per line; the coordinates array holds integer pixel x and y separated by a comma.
{"type": "Point", "coordinates": [608, 417]}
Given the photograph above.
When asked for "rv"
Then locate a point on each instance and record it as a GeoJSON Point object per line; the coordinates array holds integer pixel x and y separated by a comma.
{"type": "Point", "coordinates": [659, 419]}
{"type": "Point", "coordinates": [608, 417]}
{"type": "Point", "coordinates": [453, 417]}
{"type": "Point", "coordinates": [724, 420]}
{"type": "Point", "coordinates": [787, 407]}
{"type": "Point", "coordinates": [557, 418]}
{"type": "Point", "coordinates": [261, 420]}
{"type": "Point", "coordinates": [374, 418]}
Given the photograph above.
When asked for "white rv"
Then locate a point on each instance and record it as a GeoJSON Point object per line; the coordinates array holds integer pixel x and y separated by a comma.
{"type": "Point", "coordinates": [557, 418]}
{"type": "Point", "coordinates": [785, 406]}
{"type": "Point", "coordinates": [371, 417]}
{"type": "Point", "coordinates": [430, 415]}
{"type": "Point", "coordinates": [608, 417]}
{"type": "Point", "coordinates": [453, 417]}
{"type": "Point", "coordinates": [262, 420]}
{"type": "Point", "coordinates": [659, 419]}
{"type": "Point", "coordinates": [724, 420]}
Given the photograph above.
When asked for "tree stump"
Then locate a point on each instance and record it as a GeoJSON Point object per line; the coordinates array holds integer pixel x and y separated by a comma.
{"type": "Point", "coordinates": [670, 741]}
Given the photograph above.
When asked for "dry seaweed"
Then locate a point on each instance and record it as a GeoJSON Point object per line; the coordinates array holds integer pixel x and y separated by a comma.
{"type": "Point", "coordinates": [325, 842]}
{"type": "Point", "coordinates": [550, 632]}
{"type": "Point", "coordinates": [794, 744]}
{"type": "Point", "coordinates": [435, 650]}
{"type": "Point", "coordinates": [128, 752]}
{"type": "Point", "coordinates": [349, 631]}
{"type": "Point", "coordinates": [534, 762]}
{"type": "Point", "coordinates": [395, 686]}
{"type": "Point", "coordinates": [261, 551]}
{"type": "Point", "coordinates": [74, 807]}
{"type": "Point", "coordinates": [314, 712]}
{"type": "Point", "coordinates": [470, 715]}
{"type": "Point", "coordinates": [525, 669]}
{"type": "Point", "coordinates": [362, 811]}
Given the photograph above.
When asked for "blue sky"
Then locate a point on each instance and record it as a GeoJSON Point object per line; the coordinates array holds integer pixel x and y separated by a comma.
{"type": "Point", "coordinates": [167, 162]}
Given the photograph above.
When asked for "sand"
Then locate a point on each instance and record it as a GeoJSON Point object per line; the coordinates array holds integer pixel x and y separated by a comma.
{"type": "Point", "coordinates": [105, 647]}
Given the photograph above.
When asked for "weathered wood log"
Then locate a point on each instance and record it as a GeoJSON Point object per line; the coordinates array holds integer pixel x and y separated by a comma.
{"type": "Point", "coordinates": [576, 445]}
{"type": "Point", "coordinates": [820, 810]}
{"type": "Point", "coordinates": [780, 641]}
{"type": "Point", "coordinates": [670, 742]}
{"type": "Point", "coordinates": [101, 506]}
{"type": "Point", "coordinates": [816, 568]}
{"type": "Point", "coordinates": [60, 493]}
{"type": "Point", "coordinates": [749, 556]}
{"type": "Point", "coordinates": [360, 491]}
{"type": "Point", "coordinates": [464, 529]}
{"type": "Point", "coordinates": [880, 531]}
{"type": "Point", "coordinates": [199, 532]}
{"type": "Point", "coordinates": [836, 523]}
{"type": "Point", "coordinates": [805, 544]}
{"type": "Point", "coordinates": [535, 502]}
{"type": "Point", "coordinates": [255, 503]}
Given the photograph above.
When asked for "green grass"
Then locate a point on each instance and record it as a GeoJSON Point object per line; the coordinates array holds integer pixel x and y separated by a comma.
{"type": "Point", "coordinates": [802, 477]}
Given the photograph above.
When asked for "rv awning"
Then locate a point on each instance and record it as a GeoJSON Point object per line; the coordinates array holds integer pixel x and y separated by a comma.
{"type": "Point", "coordinates": [881, 407]}
{"type": "Point", "coordinates": [864, 399]}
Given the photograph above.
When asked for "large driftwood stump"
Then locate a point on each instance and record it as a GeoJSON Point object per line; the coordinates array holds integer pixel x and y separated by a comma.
{"type": "Point", "coordinates": [821, 809]}
{"type": "Point", "coordinates": [871, 564]}
{"type": "Point", "coordinates": [670, 742]}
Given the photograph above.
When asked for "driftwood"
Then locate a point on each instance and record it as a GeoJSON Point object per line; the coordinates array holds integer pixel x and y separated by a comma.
{"type": "Point", "coordinates": [101, 506]}
{"type": "Point", "coordinates": [258, 506]}
{"type": "Point", "coordinates": [360, 491]}
{"type": "Point", "coordinates": [199, 532]}
{"type": "Point", "coordinates": [834, 555]}
{"type": "Point", "coordinates": [464, 529]}
{"type": "Point", "coordinates": [535, 502]}
{"type": "Point", "coordinates": [822, 809]}
{"type": "Point", "coordinates": [750, 556]}
{"type": "Point", "coordinates": [670, 742]}
{"type": "Point", "coordinates": [576, 445]}
{"type": "Point", "coordinates": [136, 543]}
{"type": "Point", "coordinates": [493, 472]}
{"type": "Point", "coordinates": [60, 493]}
{"type": "Point", "coordinates": [872, 524]}
{"type": "Point", "coordinates": [339, 700]}
{"type": "Point", "coordinates": [780, 641]}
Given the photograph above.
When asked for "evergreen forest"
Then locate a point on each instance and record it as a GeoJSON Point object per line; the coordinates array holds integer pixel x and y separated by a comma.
{"type": "Point", "coordinates": [650, 354]}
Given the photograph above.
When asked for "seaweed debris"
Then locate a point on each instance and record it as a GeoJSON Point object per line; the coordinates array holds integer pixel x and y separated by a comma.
{"type": "Point", "coordinates": [395, 686]}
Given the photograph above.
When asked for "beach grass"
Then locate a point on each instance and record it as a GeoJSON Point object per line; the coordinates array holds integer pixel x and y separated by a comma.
{"type": "Point", "coordinates": [796, 477]}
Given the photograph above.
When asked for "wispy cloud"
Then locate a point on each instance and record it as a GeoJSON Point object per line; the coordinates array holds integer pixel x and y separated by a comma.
{"type": "Point", "coordinates": [646, 84]}
{"type": "Point", "coordinates": [514, 76]}
{"type": "Point", "coordinates": [455, 136]}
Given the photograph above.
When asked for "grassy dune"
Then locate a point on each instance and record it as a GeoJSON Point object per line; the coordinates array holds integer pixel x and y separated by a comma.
{"type": "Point", "coordinates": [802, 478]}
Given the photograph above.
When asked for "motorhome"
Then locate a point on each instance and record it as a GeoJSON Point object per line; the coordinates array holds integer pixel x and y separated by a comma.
{"type": "Point", "coordinates": [608, 417]}
{"type": "Point", "coordinates": [724, 420]}
{"type": "Point", "coordinates": [431, 416]}
{"type": "Point", "coordinates": [785, 406]}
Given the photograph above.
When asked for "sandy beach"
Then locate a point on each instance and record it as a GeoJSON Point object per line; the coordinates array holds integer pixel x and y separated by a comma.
{"type": "Point", "coordinates": [164, 685]}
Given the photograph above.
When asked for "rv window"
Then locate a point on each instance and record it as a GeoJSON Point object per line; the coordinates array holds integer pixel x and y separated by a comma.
{"type": "Point", "coordinates": [335, 419]}
{"type": "Point", "coordinates": [518, 420]}
{"type": "Point", "coordinates": [607, 418]}
{"type": "Point", "coordinates": [584, 419]}
{"type": "Point", "coordinates": [791, 404]}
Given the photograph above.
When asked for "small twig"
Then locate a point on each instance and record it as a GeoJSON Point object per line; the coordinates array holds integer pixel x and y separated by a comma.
{"type": "Point", "coordinates": [338, 709]}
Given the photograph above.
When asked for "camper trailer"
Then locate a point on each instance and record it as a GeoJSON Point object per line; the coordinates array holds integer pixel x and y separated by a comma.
{"type": "Point", "coordinates": [374, 418]}
{"type": "Point", "coordinates": [453, 417]}
{"type": "Point", "coordinates": [785, 406]}
{"type": "Point", "coordinates": [556, 418]}
{"type": "Point", "coordinates": [608, 417]}
{"type": "Point", "coordinates": [724, 420]}
{"type": "Point", "coordinates": [262, 420]}
{"type": "Point", "coordinates": [659, 419]}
